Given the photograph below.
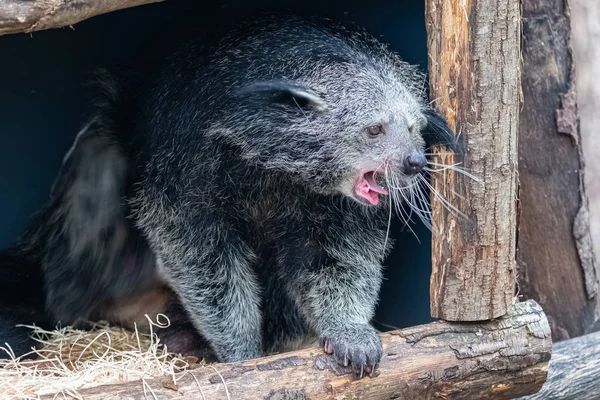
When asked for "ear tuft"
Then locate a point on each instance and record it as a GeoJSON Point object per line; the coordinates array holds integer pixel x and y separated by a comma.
{"type": "Point", "coordinates": [437, 132]}
{"type": "Point", "coordinates": [283, 92]}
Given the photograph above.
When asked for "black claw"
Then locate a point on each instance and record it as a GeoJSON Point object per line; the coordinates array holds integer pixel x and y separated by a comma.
{"type": "Point", "coordinates": [358, 346]}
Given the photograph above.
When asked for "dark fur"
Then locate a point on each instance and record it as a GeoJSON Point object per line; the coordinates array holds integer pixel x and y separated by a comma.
{"type": "Point", "coordinates": [21, 300]}
{"type": "Point", "coordinates": [227, 177]}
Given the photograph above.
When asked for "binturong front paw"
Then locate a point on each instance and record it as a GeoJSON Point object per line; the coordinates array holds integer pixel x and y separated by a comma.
{"type": "Point", "coordinates": [357, 345]}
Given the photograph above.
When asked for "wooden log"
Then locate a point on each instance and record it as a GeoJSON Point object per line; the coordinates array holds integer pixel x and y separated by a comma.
{"type": "Point", "coordinates": [35, 15]}
{"type": "Point", "coordinates": [555, 254]}
{"type": "Point", "coordinates": [474, 75]}
{"type": "Point", "coordinates": [574, 372]}
{"type": "Point", "coordinates": [501, 359]}
{"type": "Point", "coordinates": [585, 26]}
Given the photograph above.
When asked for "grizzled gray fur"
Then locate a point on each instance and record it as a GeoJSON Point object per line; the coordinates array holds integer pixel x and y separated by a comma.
{"type": "Point", "coordinates": [249, 178]}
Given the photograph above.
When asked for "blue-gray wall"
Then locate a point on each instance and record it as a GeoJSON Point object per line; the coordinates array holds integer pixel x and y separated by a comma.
{"type": "Point", "coordinates": [42, 102]}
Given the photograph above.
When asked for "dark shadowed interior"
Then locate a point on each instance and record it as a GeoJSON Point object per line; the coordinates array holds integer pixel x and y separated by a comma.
{"type": "Point", "coordinates": [43, 102]}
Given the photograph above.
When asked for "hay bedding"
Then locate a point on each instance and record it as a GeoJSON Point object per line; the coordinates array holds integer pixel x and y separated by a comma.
{"type": "Point", "coordinates": [70, 360]}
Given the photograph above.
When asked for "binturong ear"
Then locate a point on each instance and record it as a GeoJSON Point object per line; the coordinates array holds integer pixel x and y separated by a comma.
{"type": "Point", "coordinates": [285, 93]}
{"type": "Point", "coordinates": [437, 132]}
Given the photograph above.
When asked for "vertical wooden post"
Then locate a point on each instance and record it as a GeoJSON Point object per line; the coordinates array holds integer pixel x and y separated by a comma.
{"type": "Point", "coordinates": [474, 72]}
{"type": "Point", "coordinates": [555, 254]}
{"type": "Point", "coordinates": [585, 27]}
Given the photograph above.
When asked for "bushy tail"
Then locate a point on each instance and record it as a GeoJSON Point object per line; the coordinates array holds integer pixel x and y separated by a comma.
{"type": "Point", "coordinates": [39, 276]}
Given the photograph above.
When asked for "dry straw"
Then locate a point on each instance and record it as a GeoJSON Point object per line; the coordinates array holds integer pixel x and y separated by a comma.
{"type": "Point", "coordinates": [70, 360]}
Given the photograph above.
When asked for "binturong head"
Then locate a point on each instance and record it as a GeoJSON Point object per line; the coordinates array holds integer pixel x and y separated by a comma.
{"type": "Point", "coordinates": [334, 109]}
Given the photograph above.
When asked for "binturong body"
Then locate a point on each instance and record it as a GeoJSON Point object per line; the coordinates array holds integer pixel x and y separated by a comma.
{"type": "Point", "coordinates": [252, 179]}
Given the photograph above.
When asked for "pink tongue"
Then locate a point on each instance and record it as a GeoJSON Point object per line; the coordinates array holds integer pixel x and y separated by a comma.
{"type": "Point", "coordinates": [369, 189]}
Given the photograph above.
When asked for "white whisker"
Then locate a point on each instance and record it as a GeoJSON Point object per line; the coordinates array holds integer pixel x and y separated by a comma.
{"type": "Point", "coordinates": [442, 199]}
{"type": "Point", "coordinates": [407, 202]}
{"type": "Point", "coordinates": [421, 208]}
{"type": "Point", "coordinates": [452, 167]}
{"type": "Point", "coordinates": [387, 233]}
{"type": "Point", "coordinates": [412, 199]}
{"type": "Point", "coordinates": [423, 201]}
{"type": "Point", "coordinates": [395, 193]}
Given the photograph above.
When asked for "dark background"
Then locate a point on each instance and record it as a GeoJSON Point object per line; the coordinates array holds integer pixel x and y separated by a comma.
{"type": "Point", "coordinates": [43, 102]}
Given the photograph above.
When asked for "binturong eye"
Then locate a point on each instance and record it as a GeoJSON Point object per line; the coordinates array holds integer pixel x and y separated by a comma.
{"type": "Point", "coordinates": [374, 130]}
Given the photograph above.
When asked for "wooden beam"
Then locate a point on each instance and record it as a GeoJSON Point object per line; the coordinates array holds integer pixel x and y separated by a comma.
{"type": "Point", "coordinates": [555, 254]}
{"type": "Point", "coordinates": [501, 359]}
{"type": "Point", "coordinates": [34, 15]}
{"type": "Point", "coordinates": [585, 28]}
{"type": "Point", "coordinates": [574, 372]}
{"type": "Point", "coordinates": [474, 50]}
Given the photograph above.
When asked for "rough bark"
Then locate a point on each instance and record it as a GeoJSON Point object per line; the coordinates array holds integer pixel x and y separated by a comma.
{"type": "Point", "coordinates": [35, 15]}
{"type": "Point", "coordinates": [555, 256]}
{"type": "Point", "coordinates": [574, 372]}
{"type": "Point", "coordinates": [474, 76]}
{"type": "Point", "coordinates": [501, 359]}
{"type": "Point", "coordinates": [585, 17]}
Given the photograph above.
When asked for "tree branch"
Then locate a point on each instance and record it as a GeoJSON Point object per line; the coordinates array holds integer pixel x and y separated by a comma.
{"type": "Point", "coordinates": [574, 370]}
{"type": "Point", "coordinates": [500, 359]}
{"type": "Point", "coordinates": [35, 15]}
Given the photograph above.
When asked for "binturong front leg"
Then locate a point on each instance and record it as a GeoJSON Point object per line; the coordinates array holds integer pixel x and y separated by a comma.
{"type": "Point", "coordinates": [209, 268]}
{"type": "Point", "coordinates": [337, 298]}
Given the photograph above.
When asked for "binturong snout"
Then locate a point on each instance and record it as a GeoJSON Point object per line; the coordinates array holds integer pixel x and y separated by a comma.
{"type": "Point", "coordinates": [414, 162]}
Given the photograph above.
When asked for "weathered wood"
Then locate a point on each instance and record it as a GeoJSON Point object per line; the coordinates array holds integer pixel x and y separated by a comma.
{"type": "Point", "coordinates": [574, 372]}
{"type": "Point", "coordinates": [585, 26]}
{"type": "Point", "coordinates": [555, 256]}
{"type": "Point", "coordinates": [474, 76]}
{"type": "Point", "coordinates": [35, 15]}
{"type": "Point", "coordinates": [500, 359]}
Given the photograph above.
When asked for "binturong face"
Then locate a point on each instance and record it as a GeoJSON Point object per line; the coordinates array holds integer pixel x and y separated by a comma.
{"type": "Point", "coordinates": [381, 134]}
{"type": "Point", "coordinates": [343, 115]}
{"type": "Point", "coordinates": [356, 132]}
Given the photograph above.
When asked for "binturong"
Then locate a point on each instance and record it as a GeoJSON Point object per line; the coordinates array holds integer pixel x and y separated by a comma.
{"type": "Point", "coordinates": [253, 178]}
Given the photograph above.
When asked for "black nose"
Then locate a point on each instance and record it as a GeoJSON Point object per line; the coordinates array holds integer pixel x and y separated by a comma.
{"type": "Point", "coordinates": [414, 162]}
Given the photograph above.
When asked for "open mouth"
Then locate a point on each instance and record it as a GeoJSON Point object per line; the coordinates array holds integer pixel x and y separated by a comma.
{"type": "Point", "coordinates": [367, 188]}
